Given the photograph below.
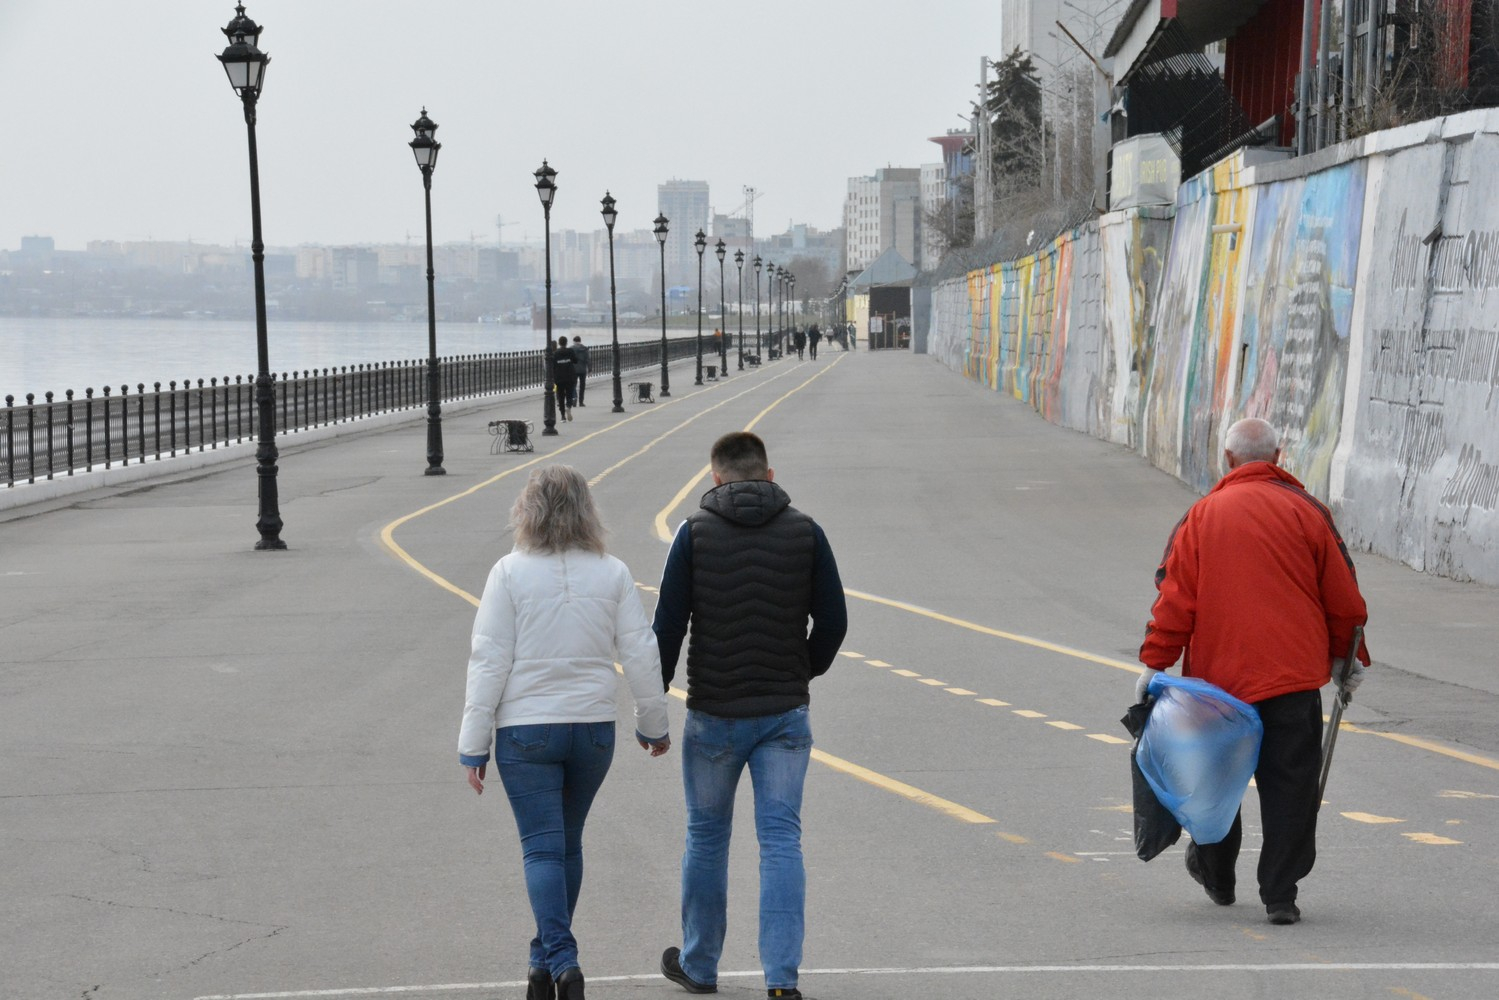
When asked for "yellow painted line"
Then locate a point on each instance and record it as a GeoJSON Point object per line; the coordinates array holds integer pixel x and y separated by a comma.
{"type": "Point", "coordinates": [1401, 991]}
{"type": "Point", "coordinates": [1064, 725]}
{"type": "Point", "coordinates": [998, 633]}
{"type": "Point", "coordinates": [1420, 744]}
{"type": "Point", "coordinates": [963, 692]}
{"type": "Point", "coordinates": [933, 682]}
{"type": "Point", "coordinates": [877, 663]}
{"type": "Point", "coordinates": [1430, 838]}
{"type": "Point", "coordinates": [851, 654]}
{"type": "Point", "coordinates": [995, 702]}
{"type": "Point", "coordinates": [1106, 738]}
{"type": "Point", "coordinates": [662, 531]}
{"type": "Point", "coordinates": [1125, 808]}
{"type": "Point", "coordinates": [901, 788]}
{"type": "Point", "coordinates": [1359, 817]}
{"type": "Point", "coordinates": [1454, 794]}
{"type": "Point", "coordinates": [1058, 856]}
{"type": "Point", "coordinates": [879, 780]}
{"type": "Point", "coordinates": [1026, 713]}
{"type": "Point", "coordinates": [1012, 838]}
{"type": "Point", "coordinates": [902, 673]}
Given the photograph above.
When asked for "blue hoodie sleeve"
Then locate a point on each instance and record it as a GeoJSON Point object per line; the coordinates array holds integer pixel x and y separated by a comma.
{"type": "Point", "coordinates": [674, 603]}
{"type": "Point", "coordinates": [829, 610]}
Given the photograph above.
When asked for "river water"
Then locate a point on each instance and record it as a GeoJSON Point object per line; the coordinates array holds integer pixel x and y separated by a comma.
{"type": "Point", "coordinates": [42, 355]}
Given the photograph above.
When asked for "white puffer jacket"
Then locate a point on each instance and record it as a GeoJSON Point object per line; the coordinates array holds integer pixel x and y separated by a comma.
{"type": "Point", "coordinates": [544, 643]}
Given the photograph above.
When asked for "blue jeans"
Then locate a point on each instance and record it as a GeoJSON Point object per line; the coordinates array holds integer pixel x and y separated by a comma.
{"type": "Point", "coordinates": [715, 751]}
{"type": "Point", "coordinates": [551, 774]}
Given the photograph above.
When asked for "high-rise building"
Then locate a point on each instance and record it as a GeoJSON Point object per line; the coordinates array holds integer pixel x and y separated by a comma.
{"type": "Point", "coordinates": [880, 212]}
{"type": "Point", "coordinates": [685, 203]}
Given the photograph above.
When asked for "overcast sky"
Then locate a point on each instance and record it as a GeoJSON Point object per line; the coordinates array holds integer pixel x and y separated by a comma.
{"type": "Point", "coordinates": [122, 124]}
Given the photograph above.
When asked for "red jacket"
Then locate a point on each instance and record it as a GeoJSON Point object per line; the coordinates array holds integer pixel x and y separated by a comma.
{"type": "Point", "coordinates": [1257, 586]}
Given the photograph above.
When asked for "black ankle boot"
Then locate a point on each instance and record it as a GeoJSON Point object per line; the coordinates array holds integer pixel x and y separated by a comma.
{"type": "Point", "coordinates": [570, 984]}
{"type": "Point", "coordinates": [539, 985]}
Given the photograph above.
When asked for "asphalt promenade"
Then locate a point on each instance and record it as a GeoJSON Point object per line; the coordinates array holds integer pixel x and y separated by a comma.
{"type": "Point", "coordinates": [232, 774]}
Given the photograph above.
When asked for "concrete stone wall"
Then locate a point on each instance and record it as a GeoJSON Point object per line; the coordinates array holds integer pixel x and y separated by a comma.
{"type": "Point", "coordinates": [1350, 297]}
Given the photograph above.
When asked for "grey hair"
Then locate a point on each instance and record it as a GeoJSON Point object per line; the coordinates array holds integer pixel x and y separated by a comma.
{"type": "Point", "coordinates": [1252, 440]}
{"type": "Point", "coordinates": [555, 513]}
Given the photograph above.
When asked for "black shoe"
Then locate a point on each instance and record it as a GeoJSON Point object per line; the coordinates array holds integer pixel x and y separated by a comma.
{"type": "Point", "coordinates": [1223, 897]}
{"type": "Point", "coordinates": [784, 994]}
{"type": "Point", "coordinates": [1283, 914]}
{"type": "Point", "coordinates": [539, 985]}
{"type": "Point", "coordinates": [570, 984]}
{"type": "Point", "coordinates": [671, 968]}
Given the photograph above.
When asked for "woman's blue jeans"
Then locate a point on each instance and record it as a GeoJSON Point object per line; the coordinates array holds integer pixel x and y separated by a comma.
{"type": "Point", "coordinates": [551, 774]}
{"type": "Point", "coordinates": [715, 750]}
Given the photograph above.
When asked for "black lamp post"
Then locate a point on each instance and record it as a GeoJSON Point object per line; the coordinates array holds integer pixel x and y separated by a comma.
{"type": "Point", "coordinates": [739, 264]}
{"type": "Point", "coordinates": [723, 317]}
{"type": "Point", "coordinates": [757, 265]}
{"type": "Point", "coordinates": [546, 189]}
{"type": "Point", "coordinates": [700, 242]}
{"type": "Point", "coordinates": [425, 148]}
{"type": "Point", "coordinates": [660, 232]}
{"type": "Point", "coordinates": [791, 291]}
{"type": "Point", "coordinates": [772, 282]}
{"type": "Point", "coordinates": [245, 64]}
{"type": "Point", "coordinates": [609, 216]}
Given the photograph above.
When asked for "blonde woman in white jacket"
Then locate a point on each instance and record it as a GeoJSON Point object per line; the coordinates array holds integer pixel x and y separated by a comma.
{"type": "Point", "coordinates": [541, 688]}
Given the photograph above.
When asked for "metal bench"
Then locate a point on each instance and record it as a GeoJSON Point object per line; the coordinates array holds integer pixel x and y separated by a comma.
{"type": "Point", "coordinates": [642, 392]}
{"type": "Point", "coordinates": [753, 360]}
{"type": "Point", "coordinates": [710, 373]}
{"type": "Point", "coordinates": [510, 435]}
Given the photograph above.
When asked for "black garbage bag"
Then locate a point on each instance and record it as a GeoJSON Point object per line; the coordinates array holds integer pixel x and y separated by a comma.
{"type": "Point", "coordinates": [1155, 828]}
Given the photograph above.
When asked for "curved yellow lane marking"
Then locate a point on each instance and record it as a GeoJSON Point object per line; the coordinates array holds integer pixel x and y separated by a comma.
{"type": "Point", "coordinates": [998, 633]}
{"type": "Point", "coordinates": [387, 534]}
{"type": "Point", "coordinates": [662, 531]}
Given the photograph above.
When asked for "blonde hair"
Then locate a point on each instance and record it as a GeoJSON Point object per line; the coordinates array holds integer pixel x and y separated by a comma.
{"type": "Point", "coordinates": [555, 513]}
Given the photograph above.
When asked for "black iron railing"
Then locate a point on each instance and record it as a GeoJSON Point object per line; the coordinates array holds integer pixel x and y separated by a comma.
{"type": "Point", "coordinates": [60, 435]}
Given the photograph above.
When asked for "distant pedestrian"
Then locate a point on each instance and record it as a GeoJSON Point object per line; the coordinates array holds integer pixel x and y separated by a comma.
{"type": "Point", "coordinates": [1258, 589]}
{"type": "Point", "coordinates": [799, 341]}
{"type": "Point", "coordinates": [745, 573]}
{"type": "Point", "coordinates": [580, 352]}
{"type": "Point", "coordinates": [565, 375]}
{"type": "Point", "coordinates": [853, 336]}
{"type": "Point", "coordinates": [556, 614]}
{"type": "Point", "coordinates": [813, 336]}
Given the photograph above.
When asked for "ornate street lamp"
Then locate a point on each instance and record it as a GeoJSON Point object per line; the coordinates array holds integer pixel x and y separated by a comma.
{"type": "Point", "coordinates": [546, 189]}
{"type": "Point", "coordinates": [425, 148]}
{"type": "Point", "coordinates": [245, 64]}
{"type": "Point", "coordinates": [700, 242]}
{"type": "Point", "coordinates": [609, 216]}
{"type": "Point", "coordinates": [791, 290]}
{"type": "Point", "coordinates": [773, 282]}
{"type": "Point", "coordinates": [723, 317]}
{"type": "Point", "coordinates": [739, 264]}
{"type": "Point", "coordinates": [757, 265]}
{"type": "Point", "coordinates": [660, 232]}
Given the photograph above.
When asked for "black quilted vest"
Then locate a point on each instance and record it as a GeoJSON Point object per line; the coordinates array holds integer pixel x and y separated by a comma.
{"type": "Point", "coordinates": [751, 596]}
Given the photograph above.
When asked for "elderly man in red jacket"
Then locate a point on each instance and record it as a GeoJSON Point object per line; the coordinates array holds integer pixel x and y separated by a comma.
{"type": "Point", "coordinates": [1257, 588]}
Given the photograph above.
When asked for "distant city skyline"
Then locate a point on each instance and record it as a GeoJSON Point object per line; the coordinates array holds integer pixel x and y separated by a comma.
{"type": "Point", "coordinates": [131, 132]}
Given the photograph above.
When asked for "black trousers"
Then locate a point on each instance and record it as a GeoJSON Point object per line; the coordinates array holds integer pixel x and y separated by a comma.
{"type": "Point", "coordinates": [582, 384]}
{"type": "Point", "coordinates": [1286, 778]}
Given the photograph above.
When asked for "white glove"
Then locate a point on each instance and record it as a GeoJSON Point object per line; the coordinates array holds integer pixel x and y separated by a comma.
{"type": "Point", "coordinates": [1142, 682]}
{"type": "Point", "coordinates": [1355, 676]}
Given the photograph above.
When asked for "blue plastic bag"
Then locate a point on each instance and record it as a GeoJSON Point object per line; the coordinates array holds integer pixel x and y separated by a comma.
{"type": "Point", "coordinates": [1198, 752]}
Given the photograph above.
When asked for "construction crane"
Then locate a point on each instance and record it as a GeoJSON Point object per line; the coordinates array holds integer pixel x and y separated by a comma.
{"type": "Point", "coordinates": [747, 209]}
{"type": "Point", "coordinates": [499, 228]}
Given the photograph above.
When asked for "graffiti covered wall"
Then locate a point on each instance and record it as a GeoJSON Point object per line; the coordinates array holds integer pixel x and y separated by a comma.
{"type": "Point", "coordinates": [1352, 300]}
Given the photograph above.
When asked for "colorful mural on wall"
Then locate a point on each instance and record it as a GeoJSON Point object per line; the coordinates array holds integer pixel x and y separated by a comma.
{"type": "Point", "coordinates": [1250, 299]}
{"type": "Point", "coordinates": [1298, 313]}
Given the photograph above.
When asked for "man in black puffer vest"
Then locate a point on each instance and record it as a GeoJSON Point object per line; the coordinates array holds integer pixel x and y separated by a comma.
{"type": "Point", "coordinates": [747, 571]}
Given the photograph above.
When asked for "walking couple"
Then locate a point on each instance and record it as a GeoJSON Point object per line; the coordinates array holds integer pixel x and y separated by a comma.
{"type": "Point", "coordinates": [746, 571]}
